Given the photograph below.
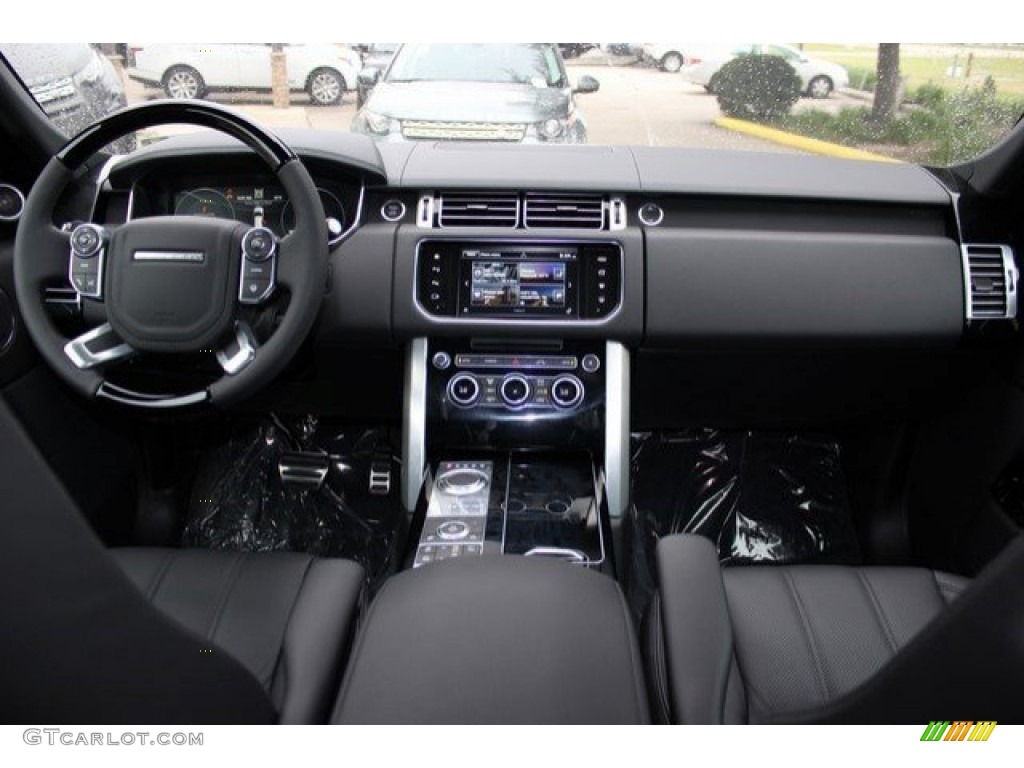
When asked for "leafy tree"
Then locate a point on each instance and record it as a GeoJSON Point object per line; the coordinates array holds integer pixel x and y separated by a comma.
{"type": "Point", "coordinates": [757, 87]}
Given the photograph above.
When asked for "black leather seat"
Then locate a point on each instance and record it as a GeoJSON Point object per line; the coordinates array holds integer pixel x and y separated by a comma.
{"type": "Point", "coordinates": [825, 643]}
{"type": "Point", "coordinates": [287, 617]}
{"type": "Point", "coordinates": [222, 638]}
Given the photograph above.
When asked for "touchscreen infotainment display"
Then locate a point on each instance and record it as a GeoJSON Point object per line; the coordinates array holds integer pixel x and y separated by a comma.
{"type": "Point", "coordinates": [532, 281]}
{"type": "Point", "coordinates": [526, 284]}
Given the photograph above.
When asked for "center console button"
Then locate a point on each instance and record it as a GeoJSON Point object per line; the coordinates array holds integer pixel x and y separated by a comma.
{"type": "Point", "coordinates": [566, 391]}
{"type": "Point", "coordinates": [515, 389]}
{"type": "Point", "coordinates": [442, 360]}
{"type": "Point", "coordinates": [591, 363]}
{"type": "Point", "coordinates": [463, 389]}
{"type": "Point", "coordinates": [453, 530]}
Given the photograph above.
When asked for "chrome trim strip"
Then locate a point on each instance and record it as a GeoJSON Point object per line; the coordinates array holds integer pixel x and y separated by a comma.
{"type": "Point", "coordinates": [84, 358]}
{"type": "Point", "coordinates": [425, 212]}
{"type": "Point", "coordinates": [124, 396]}
{"type": "Point", "coordinates": [190, 257]}
{"type": "Point", "coordinates": [1011, 275]}
{"type": "Point", "coordinates": [617, 214]}
{"type": "Point", "coordinates": [616, 428]}
{"type": "Point", "coordinates": [21, 197]}
{"type": "Point", "coordinates": [101, 179]}
{"type": "Point", "coordinates": [414, 422]}
{"type": "Point", "coordinates": [511, 322]}
{"type": "Point", "coordinates": [562, 553]}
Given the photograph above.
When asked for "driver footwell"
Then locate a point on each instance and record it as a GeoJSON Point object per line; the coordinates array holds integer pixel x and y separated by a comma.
{"type": "Point", "coordinates": [302, 486]}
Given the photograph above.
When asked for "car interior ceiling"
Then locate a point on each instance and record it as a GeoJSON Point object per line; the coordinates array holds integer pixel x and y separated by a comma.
{"type": "Point", "coordinates": [770, 453]}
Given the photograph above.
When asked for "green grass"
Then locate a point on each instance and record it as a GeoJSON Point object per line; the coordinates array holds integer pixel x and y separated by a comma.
{"type": "Point", "coordinates": [942, 129]}
{"type": "Point", "coordinates": [923, 64]}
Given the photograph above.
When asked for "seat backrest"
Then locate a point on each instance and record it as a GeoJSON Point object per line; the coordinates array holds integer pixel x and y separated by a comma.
{"type": "Point", "coordinates": [80, 643]}
{"type": "Point", "coordinates": [968, 664]}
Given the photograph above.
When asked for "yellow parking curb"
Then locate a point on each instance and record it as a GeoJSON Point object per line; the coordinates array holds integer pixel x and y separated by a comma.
{"type": "Point", "coordinates": [817, 146]}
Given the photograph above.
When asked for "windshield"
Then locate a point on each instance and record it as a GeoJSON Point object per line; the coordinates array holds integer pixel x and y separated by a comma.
{"type": "Point", "coordinates": [931, 104]}
{"type": "Point", "coordinates": [479, 62]}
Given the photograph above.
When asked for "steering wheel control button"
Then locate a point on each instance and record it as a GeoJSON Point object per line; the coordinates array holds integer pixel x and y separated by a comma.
{"type": "Point", "coordinates": [86, 240]}
{"type": "Point", "coordinates": [651, 214]}
{"type": "Point", "coordinates": [591, 363]}
{"type": "Point", "coordinates": [463, 390]}
{"type": "Point", "coordinates": [442, 361]}
{"type": "Point", "coordinates": [255, 288]}
{"type": "Point", "coordinates": [85, 268]}
{"type": "Point", "coordinates": [258, 244]}
{"type": "Point", "coordinates": [453, 530]}
{"type": "Point", "coordinates": [515, 390]}
{"type": "Point", "coordinates": [393, 210]}
{"type": "Point", "coordinates": [259, 249]}
{"type": "Point", "coordinates": [566, 391]}
{"type": "Point", "coordinates": [85, 284]}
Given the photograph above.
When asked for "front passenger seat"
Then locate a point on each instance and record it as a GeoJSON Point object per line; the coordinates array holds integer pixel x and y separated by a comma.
{"type": "Point", "coordinates": [187, 636]}
{"type": "Point", "coordinates": [839, 644]}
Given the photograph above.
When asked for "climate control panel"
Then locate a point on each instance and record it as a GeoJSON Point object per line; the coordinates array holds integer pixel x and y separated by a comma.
{"type": "Point", "coordinates": [552, 394]}
{"type": "Point", "coordinates": [514, 382]}
{"type": "Point", "coordinates": [514, 390]}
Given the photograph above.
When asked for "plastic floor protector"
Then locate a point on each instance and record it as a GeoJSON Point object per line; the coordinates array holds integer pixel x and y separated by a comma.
{"type": "Point", "coordinates": [240, 502]}
{"type": "Point", "coordinates": [760, 497]}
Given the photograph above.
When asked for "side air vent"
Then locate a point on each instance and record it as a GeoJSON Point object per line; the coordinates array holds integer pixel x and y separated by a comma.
{"type": "Point", "coordinates": [473, 209]}
{"type": "Point", "coordinates": [545, 210]}
{"type": "Point", "coordinates": [990, 279]}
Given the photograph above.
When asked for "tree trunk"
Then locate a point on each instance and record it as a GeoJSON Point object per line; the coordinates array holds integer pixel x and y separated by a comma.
{"type": "Point", "coordinates": [887, 88]}
{"type": "Point", "coordinates": [279, 76]}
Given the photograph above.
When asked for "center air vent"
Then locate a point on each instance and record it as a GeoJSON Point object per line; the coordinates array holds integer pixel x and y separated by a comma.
{"type": "Point", "coordinates": [545, 210]}
{"type": "Point", "coordinates": [990, 277]}
{"type": "Point", "coordinates": [479, 209]}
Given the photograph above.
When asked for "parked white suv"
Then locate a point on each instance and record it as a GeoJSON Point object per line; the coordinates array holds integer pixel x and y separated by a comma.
{"type": "Point", "coordinates": [189, 71]}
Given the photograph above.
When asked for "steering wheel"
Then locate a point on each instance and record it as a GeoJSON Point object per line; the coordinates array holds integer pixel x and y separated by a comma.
{"type": "Point", "coordinates": [171, 284]}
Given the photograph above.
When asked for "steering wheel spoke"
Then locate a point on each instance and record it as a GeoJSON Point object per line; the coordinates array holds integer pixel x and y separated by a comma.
{"type": "Point", "coordinates": [97, 347]}
{"type": "Point", "coordinates": [236, 355]}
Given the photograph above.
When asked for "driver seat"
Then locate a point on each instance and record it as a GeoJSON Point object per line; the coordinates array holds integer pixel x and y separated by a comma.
{"type": "Point", "coordinates": [157, 635]}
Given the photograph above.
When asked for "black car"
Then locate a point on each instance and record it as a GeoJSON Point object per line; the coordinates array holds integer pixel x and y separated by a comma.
{"type": "Point", "coordinates": [475, 92]}
{"type": "Point", "coordinates": [376, 58]}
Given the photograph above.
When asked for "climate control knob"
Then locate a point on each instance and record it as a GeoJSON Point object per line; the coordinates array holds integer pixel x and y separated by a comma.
{"type": "Point", "coordinates": [566, 391]}
{"type": "Point", "coordinates": [515, 390]}
{"type": "Point", "coordinates": [463, 389]}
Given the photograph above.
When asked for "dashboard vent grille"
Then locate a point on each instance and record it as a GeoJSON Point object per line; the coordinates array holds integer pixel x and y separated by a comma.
{"type": "Point", "coordinates": [990, 277]}
{"type": "Point", "coordinates": [545, 210]}
{"type": "Point", "coordinates": [478, 209]}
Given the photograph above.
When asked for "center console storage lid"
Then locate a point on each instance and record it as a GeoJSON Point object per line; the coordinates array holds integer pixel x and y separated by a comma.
{"type": "Point", "coordinates": [495, 639]}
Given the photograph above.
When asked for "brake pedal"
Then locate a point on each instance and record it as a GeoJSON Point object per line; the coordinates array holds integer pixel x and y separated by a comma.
{"type": "Point", "coordinates": [303, 471]}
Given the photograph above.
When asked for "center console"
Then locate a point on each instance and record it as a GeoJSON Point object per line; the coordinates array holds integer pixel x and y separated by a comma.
{"type": "Point", "coordinates": [516, 437]}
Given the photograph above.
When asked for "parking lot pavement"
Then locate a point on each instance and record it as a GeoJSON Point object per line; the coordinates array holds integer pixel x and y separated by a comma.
{"type": "Point", "coordinates": [635, 105]}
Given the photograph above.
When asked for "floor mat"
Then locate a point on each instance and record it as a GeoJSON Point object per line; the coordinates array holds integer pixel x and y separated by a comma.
{"type": "Point", "coordinates": [760, 497]}
{"type": "Point", "coordinates": [240, 502]}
